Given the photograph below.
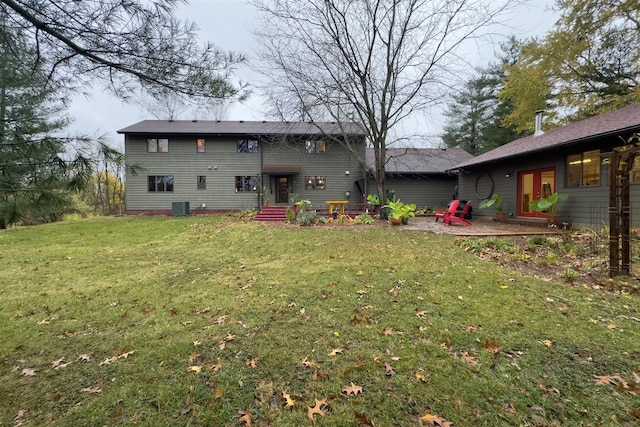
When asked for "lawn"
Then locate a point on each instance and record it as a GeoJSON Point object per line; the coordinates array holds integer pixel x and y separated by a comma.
{"type": "Point", "coordinates": [213, 321]}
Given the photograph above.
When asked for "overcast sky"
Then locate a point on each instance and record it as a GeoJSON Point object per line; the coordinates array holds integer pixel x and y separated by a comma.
{"type": "Point", "coordinates": [227, 24]}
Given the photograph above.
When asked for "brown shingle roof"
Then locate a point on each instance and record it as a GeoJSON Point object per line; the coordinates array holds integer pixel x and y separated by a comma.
{"type": "Point", "coordinates": [614, 122]}
{"type": "Point", "coordinates": [207, 127]}
{"type": "Point", "coordinates": [420, 160]}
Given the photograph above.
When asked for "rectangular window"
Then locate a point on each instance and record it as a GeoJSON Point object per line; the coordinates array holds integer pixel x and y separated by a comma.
{"type": "Point", "coordinates": [315, 147]}
{"type": "Point", "coordinates": [157, 145]}
{"type": "Point", "coordinates": [247, 183]}
{"type": "Point", "coordinates": [202, 182]}
{"type": "Point", "coordinates": [200, 145]}
{"type": "Point", "coordinates": [583, 169]}
{"type": "Point", "coordinates": [160, 182]}
{"type": "Point", "coordinates": [247, 146]}
{"type": "Point", "coordinates": [314, 182]}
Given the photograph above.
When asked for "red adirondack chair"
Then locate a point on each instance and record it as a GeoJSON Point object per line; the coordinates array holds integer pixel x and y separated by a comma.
{"type": "Point", "coordinates": [453, 215]}
{"type": "Point", "coordinates": [453, 206]}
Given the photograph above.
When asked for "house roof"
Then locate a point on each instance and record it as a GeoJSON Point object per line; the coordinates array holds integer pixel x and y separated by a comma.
{"type": "Point", "coordinates": [614, 122]}
{"type": "Point", "coordinates": [420, 160]}
{"type": "Point", "coordinates": [204, 127]}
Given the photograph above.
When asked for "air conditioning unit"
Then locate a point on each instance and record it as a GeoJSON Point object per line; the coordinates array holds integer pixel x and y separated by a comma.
{"type": "Point", "coordinates": [180, 209]}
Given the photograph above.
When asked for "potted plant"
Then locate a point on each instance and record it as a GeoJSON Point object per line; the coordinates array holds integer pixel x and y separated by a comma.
{"type": "Point", "coordinates": [373, 201]}
{"type": "Point", "coordinates": [549, 205]}
{"type": "Point", "coordinates": [399, 213]}
{"type": "Point", "coordinates": [496, 201]}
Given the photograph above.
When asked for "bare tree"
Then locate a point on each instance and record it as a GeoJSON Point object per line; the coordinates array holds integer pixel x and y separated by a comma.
{"type": "Point", "coordinates": [375, 62]}
{"type": "Point", "coordinates": [123, 45]}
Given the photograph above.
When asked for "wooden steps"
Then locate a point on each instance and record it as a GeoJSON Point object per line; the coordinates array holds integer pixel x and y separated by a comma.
{"type": "Point", "coordinates": [272, 213]}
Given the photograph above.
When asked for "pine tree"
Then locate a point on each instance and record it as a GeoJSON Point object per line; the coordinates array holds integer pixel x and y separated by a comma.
{"type": "Point", "coordinates": [36, 175]}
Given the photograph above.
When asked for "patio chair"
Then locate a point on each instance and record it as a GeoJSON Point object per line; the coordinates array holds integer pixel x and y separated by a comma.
{"type": "Point", "coordinates": [455, 215]}
{"type": "Point", "coordinates": [453, 206]}
{"type": "Point", "coordinates": [458, 216]}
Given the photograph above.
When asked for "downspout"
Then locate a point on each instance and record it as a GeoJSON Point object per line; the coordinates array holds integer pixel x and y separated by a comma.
{"type": "Point", "coordinates": [262, 186]}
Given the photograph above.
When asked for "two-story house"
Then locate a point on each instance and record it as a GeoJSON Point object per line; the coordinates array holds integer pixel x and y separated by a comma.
{"type": "Point", "coordinates": [234, 165]}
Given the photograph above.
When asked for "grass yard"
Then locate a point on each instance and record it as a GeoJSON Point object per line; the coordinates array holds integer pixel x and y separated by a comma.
{"type": "Point", "coordinates": [211, 321]}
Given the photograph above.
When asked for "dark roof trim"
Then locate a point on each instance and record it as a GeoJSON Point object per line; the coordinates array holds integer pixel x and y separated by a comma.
{"type": "Point", "coordinates": [613, 123]}
{"type": "Point", "coordinates": [281, 169]}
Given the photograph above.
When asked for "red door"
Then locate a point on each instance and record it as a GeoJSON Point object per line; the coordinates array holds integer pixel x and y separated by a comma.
{"type": "Point", "coordinates": [534, 185]}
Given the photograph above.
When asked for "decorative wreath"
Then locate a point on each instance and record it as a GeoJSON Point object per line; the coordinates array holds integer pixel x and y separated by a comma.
{"type": "Point", "coordinates": [483, 182]}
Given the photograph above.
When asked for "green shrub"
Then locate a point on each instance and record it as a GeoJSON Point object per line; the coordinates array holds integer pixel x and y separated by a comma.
{"type": "Point", "coordinates": [307, 217]}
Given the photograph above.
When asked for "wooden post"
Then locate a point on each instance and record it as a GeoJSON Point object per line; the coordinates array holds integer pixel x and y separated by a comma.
{"type": "Point", "coordinates": [614, 231]}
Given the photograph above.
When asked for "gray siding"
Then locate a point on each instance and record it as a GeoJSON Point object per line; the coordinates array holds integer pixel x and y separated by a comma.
{"type": "Point", "coordinates": [221, 164]}
{"type": "Point", "coordinates": [333, 165]}
{"type": "Point", "coordinates": [586, 207]}
{"type": "Point", "coordinates": [433, 191]}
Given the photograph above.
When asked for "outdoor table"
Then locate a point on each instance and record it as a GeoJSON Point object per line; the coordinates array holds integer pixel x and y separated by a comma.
{"type": "Point", "coordinates": [340, 203]}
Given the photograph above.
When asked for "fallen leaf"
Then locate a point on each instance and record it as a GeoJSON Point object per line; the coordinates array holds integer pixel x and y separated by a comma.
{"type": "Point", "coordinates": [435, 420]}
{"type": "Point", "coordinates": [493, 347]}
{"type": "Point", "coordinates": [352, 389]}
{"type": "Point", "coordinates": [421, 377]}
{"type": "Point", "coordinates": [509, 407]}
{"type": "Point", "coordinates": [245, 417]}
{"type": "Point", "coordinates": [195, 369]}
{"type": "Point", "coordinates": [289, 402]}
{"type": "Point", "coordinates": [92, 390]}
{"type": "Point", "coordinates": [253, 363]}
{"type": "Point", "coordinates": [388, 370]}
{"type": "Point", "coordinates": [57, 363]}
{"type": "Point", "coordinates": [29, 372]}
{"type": "Point", "coordinates": [84, 358]}
{"type": "Point", "coordinates": [126, 355]}
{"type": "Point", "coordinates": [421, 314]}
{"type": "Point", "coordinates": [218, 394]}
{"type": "Point", "coordinates": [467, 358]}
{"type": "Point", "coordinates": [307, 363]}
{"type": "Point", "coordinates": [203, 311]}
{"type": "Point", "coordinates": [336, 351]}
{"type": "Point", "coordinates": [320, 408]}
{"type": "Point", "coordinates": [602, 379]}
{"type": "Point", "coordinates": [19, 418]}
{"type": "Point", "coordinates": [363, 420]}
{"type": "Point", "coordinates": [547, 342]}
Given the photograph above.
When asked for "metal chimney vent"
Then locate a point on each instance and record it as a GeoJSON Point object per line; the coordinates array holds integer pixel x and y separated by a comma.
{"type": "Point", "coordinates": [538, 129]}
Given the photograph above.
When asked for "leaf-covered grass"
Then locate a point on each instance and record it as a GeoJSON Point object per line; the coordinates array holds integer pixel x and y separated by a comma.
{"type": "Point", "coordinates": [208, 321]}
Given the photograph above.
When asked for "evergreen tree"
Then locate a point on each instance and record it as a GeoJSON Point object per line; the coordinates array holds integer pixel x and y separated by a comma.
{"type": "Point", "coordinates": [475, 117]}
{"type": "Point", "coordinates": [36, 175]}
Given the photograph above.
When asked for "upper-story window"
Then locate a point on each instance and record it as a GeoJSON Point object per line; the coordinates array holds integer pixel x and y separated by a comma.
{"type": "Point", "coordinates": [315, 147]}
{"type": "Point", "coordinates": [157, 145]}
{"type": "Point", "coordinates": [200, 145]}
{"type": "Point", "coordinates": [247, 146]}
{"type": "Point", "coordinates": [583, 169]}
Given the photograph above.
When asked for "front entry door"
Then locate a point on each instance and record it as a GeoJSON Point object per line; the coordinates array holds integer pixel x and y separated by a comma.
{"type": "Point", "coordinates": [282, 189]}
{"type": "Point", "coordinates": [534, 185]}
